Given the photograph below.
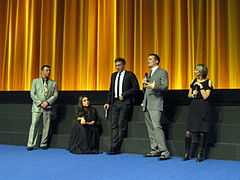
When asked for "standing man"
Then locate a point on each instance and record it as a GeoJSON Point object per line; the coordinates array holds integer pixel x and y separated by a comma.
{"type": "Point", "coordinates": [44, 94]}
{"type": "Point", "coordinates": [123, 88]}
{"type": "Point", "coordinates": [155, 84]}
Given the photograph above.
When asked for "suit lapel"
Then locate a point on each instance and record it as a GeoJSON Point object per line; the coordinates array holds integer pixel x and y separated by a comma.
{"type": "Point", "coordinates": [124, 80]}
{"type": "Point", "coordinates": [49, 84]}
{"type": "Point", "coordinates": [155, 72]}
{"type": "Point", "coordinates": [114, 79]}
{"type": "Point", "coordinates": [40, 81]}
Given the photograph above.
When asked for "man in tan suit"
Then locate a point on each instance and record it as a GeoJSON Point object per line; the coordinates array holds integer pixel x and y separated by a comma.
{"type": "Point", "coordinates": [44, 94]}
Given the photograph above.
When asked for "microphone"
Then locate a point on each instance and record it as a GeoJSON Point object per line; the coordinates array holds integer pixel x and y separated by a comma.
{"type": "Point", "coordinates": [146, 77]}
{"type": "Point", "coordinates": [145, 80]}
{"type": "Point", "coordinates": [195, 89]}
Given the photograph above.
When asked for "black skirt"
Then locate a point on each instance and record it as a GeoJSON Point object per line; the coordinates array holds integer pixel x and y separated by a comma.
{"type": "Point", "coordinates": [200, 116]}
{"type": "Point", "coordinates": [84, 139]}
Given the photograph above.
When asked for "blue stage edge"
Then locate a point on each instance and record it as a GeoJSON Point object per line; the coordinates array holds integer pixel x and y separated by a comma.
{"type": "Point", "coordinates": [59, 164]}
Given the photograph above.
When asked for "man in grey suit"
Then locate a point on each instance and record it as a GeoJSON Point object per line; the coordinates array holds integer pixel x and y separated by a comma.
{"type": "Point", "coordinates": [44, 94]}
{"type": "Point", "coordinates": [155, 83]}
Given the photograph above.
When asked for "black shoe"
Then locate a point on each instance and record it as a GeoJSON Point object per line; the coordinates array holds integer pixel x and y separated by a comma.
{"type": "Point", "coordinates": [188, 148]}
{"type": "Point", "coordinates": [153, 154]}
{"type": "Point", "coordinates": [186, 157]}
{"type": "Point", "coordinates": [44, 147]}
{"type": "Point", "coordinates": [113, 152]}
{"type": "Point", "coordinates": [200, 157]}
{"type": "Point", "coordinates": [30, 148]}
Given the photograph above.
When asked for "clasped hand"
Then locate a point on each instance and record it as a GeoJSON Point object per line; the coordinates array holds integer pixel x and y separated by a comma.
{"type": "Point", "coordinates": [149, 85]}
{"type": "Point", "coordinates": [44, 104]}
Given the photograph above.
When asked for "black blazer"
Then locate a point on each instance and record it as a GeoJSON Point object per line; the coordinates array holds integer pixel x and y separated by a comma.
{"type": "Point", "coordinates": [130, 87]}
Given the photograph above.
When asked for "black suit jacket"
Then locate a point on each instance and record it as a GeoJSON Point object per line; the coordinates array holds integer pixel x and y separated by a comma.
{"type": "Point", "coordinates": [130, 87]}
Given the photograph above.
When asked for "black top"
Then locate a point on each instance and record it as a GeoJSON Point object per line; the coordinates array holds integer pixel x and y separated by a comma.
{"type": "Point", "coordinates": [89, 114]}
{"type": "Point", "coordinates": [130, 87]}
{"type": "Point", "coordinates": [205, 85]}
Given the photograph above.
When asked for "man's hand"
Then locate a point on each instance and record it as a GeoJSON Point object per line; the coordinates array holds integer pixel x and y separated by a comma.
{"type": "Point", "coordinates": [149, 85]}
{"type": "Point", "coordinates": [145, 81]}
{"type": "Point", "coordinates": [44, 104]}
{"type": "Point", "coordinates": [121, 98]}
{"type": "Point", "coordinates": [106, 106]}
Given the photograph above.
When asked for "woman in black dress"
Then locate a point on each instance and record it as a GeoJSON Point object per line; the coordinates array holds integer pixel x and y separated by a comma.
{"type": "Point", "coordinates": [200, 114]}
{"type": "Point", "coordinates": [85, 134]}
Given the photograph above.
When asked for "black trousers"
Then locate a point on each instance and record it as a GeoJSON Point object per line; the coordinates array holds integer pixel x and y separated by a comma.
{"type": "Point", "coordinates": [120, 116]}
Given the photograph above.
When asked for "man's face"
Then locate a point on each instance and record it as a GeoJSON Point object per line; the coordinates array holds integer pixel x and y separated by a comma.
{"type": "Point", "coordinates": [46, 72]}
{"type": "Point", "coordinates": [152, 61]}
{"type": "Point", "coordinates": [119, 66]}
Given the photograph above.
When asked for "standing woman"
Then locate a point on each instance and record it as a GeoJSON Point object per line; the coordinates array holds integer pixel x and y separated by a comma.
{"type": "Point", "coordinates": [85, 134]}
{"type": "Point", "coordinates": [199, 118]}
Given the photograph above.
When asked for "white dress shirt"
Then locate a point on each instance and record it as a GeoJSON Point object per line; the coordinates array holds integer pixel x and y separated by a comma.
{"type": "Point", "coordinates": [120, 84]}
{"type": "Point", "coordinates": [153, 70]}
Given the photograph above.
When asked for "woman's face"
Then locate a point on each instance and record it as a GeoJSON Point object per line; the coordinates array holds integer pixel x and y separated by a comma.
{"type": "Point", "coordinates": [85, 102]}
{"type": "Point", "coordinates": [197, 72]}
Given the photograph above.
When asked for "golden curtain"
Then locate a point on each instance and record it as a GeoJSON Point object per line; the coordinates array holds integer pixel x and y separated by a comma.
{"type": "Point", "coordinates": [81, 38]}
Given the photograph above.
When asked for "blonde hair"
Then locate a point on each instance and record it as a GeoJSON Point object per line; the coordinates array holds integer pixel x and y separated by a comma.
{"type": "Point", "coordinates": [203, 70]}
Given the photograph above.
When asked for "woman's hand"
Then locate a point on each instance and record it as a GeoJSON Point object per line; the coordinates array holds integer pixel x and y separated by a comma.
{"type": "Point", "coordinates": [198, 84]}
{"type": "Point", "coordinates": [91, 123]}
{"type": "Point", "coordinates": [82, 121]}
{"type": "Point", "coordinates": [194, 93]}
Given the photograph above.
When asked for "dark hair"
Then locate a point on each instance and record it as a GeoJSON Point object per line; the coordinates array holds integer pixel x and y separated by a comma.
{"type": "Point", "coordinates": [156, 56]}
{"type": "Point", "coordinates": [122, 60]}
{"type": "Point", "coordinates": [45, 65]}
{"type": "Point", "coordinates": [80, 101]}
{"type": "Point", "coordinates": [202, 68]}
{"type": "Point", "coordinates": [79, 107]}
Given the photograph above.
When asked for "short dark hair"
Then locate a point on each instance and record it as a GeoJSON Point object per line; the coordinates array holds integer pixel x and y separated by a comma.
{"type": "Point", "coordinates": [122, 60]}
{"type": "Point", "coordinates": [156, 56]}
{"type": "Point", "coordinates": [45, 65]}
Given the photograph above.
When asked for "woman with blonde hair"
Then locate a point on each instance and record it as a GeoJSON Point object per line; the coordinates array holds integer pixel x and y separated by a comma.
{"type": "Point", "coordinates": [199, 118]}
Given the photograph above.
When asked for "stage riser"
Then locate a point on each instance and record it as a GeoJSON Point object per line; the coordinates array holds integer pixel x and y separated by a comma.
{"type": "Point", "coordinates": [15, 119]}
{"type": "Point", "coordinates": [131, 145]}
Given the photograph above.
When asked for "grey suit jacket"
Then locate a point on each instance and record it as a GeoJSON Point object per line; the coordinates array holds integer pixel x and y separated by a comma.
{"type": "Point", "coordinates": [153, 98]}
{"type": "Point", "coordinates": [37, 94]}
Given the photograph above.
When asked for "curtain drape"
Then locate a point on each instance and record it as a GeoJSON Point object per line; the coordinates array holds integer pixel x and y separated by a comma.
{"type": "Point", "coordinates": [81, 38]}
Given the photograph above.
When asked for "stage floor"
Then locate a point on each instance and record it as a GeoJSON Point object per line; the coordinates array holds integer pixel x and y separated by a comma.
{"type": "Point", "coordinates": [58, 164]}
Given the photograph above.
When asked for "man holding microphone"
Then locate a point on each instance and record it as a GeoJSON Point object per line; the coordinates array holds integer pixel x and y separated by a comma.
{"type": "Point", "coordinates": [155, 84]}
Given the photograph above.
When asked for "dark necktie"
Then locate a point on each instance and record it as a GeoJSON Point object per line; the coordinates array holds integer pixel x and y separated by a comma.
{"type": "Point", "coordinates": [150, 74]}
{"type": "Point", "coordinates": [118, 85]}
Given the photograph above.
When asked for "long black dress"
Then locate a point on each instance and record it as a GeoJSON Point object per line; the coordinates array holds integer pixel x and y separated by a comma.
{"type": "Point", "coordinates": [84, 139]}
{"type": "Point", "coordinates": [200, 110]}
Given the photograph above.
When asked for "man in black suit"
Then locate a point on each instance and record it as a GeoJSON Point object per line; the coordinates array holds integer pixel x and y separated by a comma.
{"type": "Point", "coordinates": [124, 86]}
